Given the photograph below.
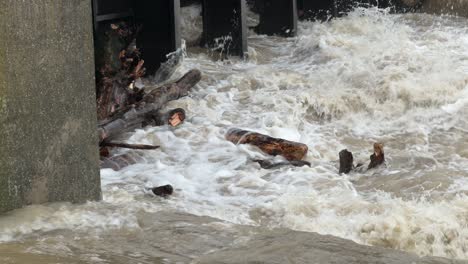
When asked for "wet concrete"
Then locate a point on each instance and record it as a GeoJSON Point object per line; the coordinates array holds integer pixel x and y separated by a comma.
{"type": "Point", "coordinates": [47, 103]}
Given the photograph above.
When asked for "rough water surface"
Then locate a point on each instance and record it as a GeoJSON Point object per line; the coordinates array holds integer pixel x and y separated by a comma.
{"type": "Point", "coordinates": [372, 76]}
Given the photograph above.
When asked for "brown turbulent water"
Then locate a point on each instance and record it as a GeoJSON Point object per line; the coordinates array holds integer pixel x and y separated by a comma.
{"type": "Point", "coordinates": [372, 76]}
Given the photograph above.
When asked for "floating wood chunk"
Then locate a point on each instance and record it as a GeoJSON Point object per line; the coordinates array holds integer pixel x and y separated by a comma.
{"type": "Point", "coordinates": [272, 146]}
{"type": "Point", "coordinates": [378, 158]}
{"type": "Point", "coordinates": [346, 161]}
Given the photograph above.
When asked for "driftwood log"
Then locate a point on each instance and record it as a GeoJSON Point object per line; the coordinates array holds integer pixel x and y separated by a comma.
{"type": "Point", "coordinates": [270, 145]}
{"type": "Point", "coordinates": [146, 111]}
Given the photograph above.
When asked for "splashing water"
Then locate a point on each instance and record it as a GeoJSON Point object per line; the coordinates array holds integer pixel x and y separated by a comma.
{"type": "Point", "coordinates": [371, 76]}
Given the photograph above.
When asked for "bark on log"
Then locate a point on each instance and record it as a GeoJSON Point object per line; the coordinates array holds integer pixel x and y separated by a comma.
{"type": "Point", "coordinates": [145, 112]}
{"type": "Point", "coordinates": [272, 146]}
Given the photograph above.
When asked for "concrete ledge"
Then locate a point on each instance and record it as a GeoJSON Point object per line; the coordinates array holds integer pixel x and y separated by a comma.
{"type": "Point", "coordinates": [47, 103]}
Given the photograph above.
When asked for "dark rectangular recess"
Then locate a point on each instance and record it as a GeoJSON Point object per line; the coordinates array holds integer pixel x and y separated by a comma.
{"type": "Point", "coordinates": [224, 19]}
{"type": "Point", "coordinates": [112, 6]}
{"type": "Point", "coordinates": [160, 32]}
{"type": "Point", "coordinates": [278, 17]}
{"type": "Point", "coordinates": [316, 9]}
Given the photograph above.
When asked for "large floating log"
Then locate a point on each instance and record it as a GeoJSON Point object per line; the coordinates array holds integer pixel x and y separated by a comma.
{"type": "Point", "coordinates": [272, 146]}
{"type": "Point", "coordinates": [145, 112]}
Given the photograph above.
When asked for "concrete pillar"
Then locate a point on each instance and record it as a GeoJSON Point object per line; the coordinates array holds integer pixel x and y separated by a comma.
{"type": "Point", "coordinates": [278, 17]}
{"type": "Point", "coordinates": [450, 7]}
{"type": "Point", "coordinates": [224, 26]}
{"type": "Point", "coordinates": [48, 149]}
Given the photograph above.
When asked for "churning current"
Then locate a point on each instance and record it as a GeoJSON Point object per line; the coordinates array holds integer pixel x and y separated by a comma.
{"type": "Point", "coordinates": [369, 77]}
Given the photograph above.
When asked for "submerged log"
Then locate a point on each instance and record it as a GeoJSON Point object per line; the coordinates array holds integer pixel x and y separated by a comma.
{"type": "Point", "coordinates": [272, 146]}
{"type": "Point", "coordinates": [268, 165]}
{"type": "Point", "coordinates": [145, 112]}
{"type": "Point", "coordinates": [346, 161]}
{"type": "Point", "coordinates": [129, 146]}
{"type": "Point", "coordinates": [378, 158]}
{"type": "Point", "coordinates": [119, 162]}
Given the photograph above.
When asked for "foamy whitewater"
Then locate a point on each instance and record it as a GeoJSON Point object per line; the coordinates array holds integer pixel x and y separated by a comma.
{"type": "Point", "coordinates": [370, 77]}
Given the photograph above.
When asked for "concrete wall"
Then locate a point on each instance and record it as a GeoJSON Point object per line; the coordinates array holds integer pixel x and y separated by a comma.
{"type": "Point", "coordinates": [48, 147]}
{"type": "Point", "coordinates": [452, 7]}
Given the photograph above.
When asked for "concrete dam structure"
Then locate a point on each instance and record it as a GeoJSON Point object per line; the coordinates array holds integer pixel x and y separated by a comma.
{"type": "Point", "coordinates": [49, 150]}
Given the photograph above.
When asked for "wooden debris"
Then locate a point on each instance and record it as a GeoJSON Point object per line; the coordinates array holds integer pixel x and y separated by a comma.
{"type": "Point", "coordinates": [346, 161]}
{"type": "Point", "coordinates": [268, 165]}
{"type": "Point", "coordinates": [378, 158]}
{"type": "Point", "coordinates": [129, 146]}
{"type": "Point", "coordinates": [145, 112]}
{"type": "Point", "coordinates": [118, 64]}
{"type": "Point", "coordinates": [272, 146]}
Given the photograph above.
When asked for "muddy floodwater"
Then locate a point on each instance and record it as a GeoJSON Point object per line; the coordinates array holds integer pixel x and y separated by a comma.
{"type": "Point", "coordinates": [369, 77]}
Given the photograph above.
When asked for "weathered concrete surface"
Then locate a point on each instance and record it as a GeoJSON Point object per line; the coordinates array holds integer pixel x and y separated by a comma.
{"type": "Point", "coordinates": [48, 149]}
{"type": "Point", "coordinates": [451, 7]}
{"type": "Point", "coordinates": [286, 246]}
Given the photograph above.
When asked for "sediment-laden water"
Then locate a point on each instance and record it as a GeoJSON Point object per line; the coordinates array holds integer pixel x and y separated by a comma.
{"type": "Point", "coordinates": [370, 77]}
